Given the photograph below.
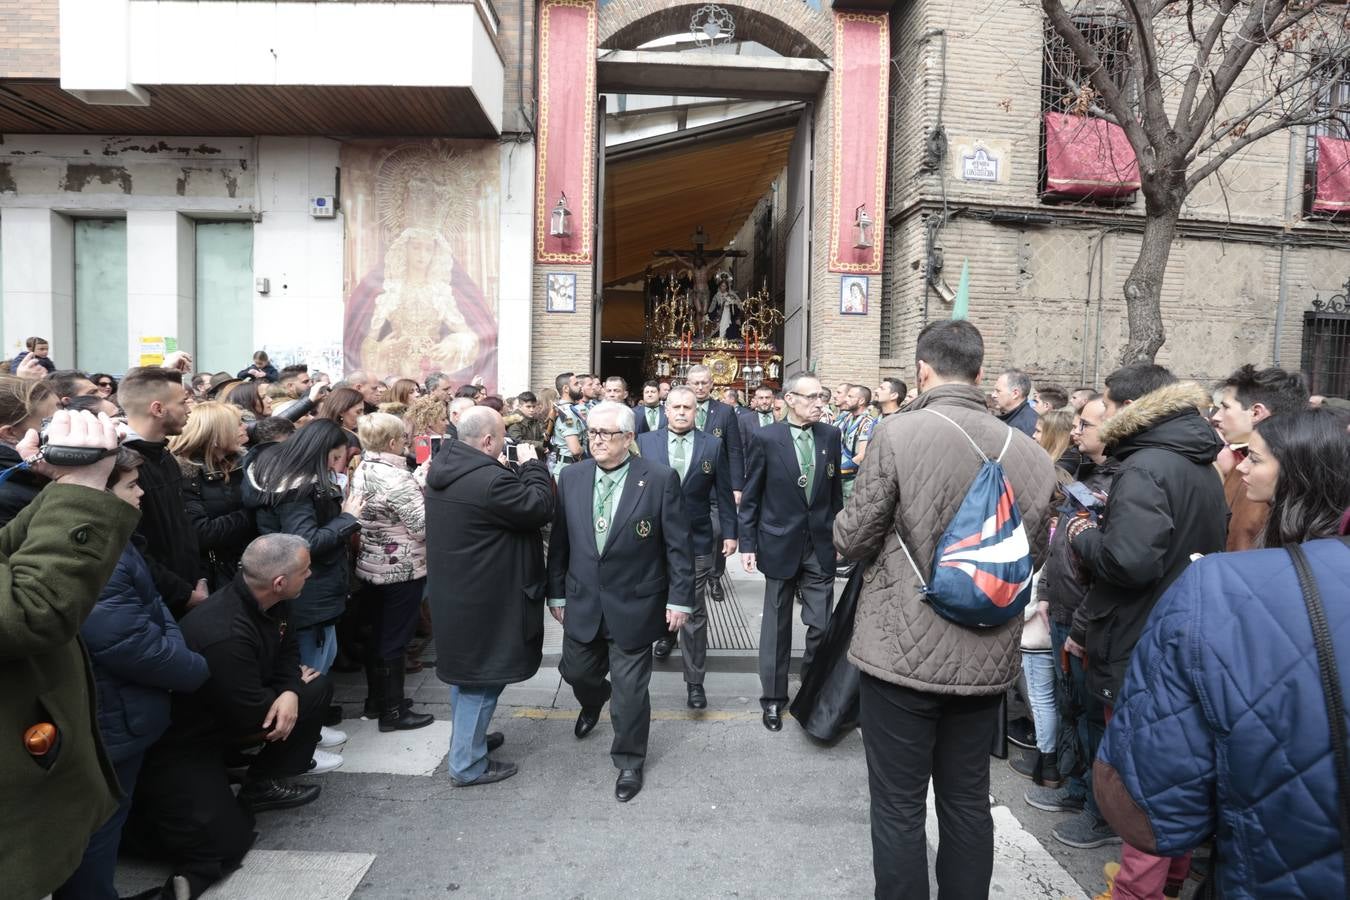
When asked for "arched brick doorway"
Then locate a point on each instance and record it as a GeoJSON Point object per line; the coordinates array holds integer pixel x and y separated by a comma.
{"type": "Point", "coordinates": [788, 28]}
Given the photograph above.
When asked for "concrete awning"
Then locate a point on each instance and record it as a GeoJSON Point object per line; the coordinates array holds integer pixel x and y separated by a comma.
{"type": "Point", "coordinates": [691, 75]}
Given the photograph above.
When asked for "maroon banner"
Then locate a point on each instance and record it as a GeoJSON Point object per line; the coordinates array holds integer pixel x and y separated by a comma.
{"type": "Point", "coordinates": [566, 129]}
{"type": "Point", "coordinates": [1088, 157]}
{"type": "Point", "coordinates": [858, 162]}
{"type": "Point", "coordinates": [1333, 175]}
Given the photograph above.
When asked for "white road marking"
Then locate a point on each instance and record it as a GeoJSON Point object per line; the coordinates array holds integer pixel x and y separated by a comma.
{"type": "Point", "coordinates": [418, 752]}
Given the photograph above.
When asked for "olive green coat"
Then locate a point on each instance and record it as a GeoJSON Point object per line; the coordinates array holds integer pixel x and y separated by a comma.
{"type": "Point", "coordinates": [55, 558]}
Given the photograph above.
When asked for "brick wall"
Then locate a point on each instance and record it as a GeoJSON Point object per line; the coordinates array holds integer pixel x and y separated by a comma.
{"type": "Point", "coordinates": [516, 35]}
{"type": "Point", "coordinates": [561, 341]}
{"type": "Point", "coordinates": [29, 45]}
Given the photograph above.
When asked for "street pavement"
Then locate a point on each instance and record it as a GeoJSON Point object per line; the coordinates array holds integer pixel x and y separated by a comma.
{"type": "Point", "coordinates": [728, 810]}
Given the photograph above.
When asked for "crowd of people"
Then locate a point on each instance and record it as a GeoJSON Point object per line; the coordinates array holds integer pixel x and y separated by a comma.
{"type": "Point", "coordinates": [220, 543]}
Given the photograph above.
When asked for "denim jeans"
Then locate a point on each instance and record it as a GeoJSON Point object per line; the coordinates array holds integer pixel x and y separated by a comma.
{"type": "Point", "coordinates": [471, 711]}
{"type": "Point", "coordinates": [1039, 667]}
{"type": "Point", "coordinates": [318, 646]}
{"type": "Point", "coordinates": [1089, 736]}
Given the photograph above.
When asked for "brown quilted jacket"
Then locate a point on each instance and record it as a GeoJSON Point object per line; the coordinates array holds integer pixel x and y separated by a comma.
{"type": "Point", "coordinates": [917, 472]}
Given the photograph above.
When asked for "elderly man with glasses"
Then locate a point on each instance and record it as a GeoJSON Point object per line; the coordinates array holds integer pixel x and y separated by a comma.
{"type": "Point", "coordinates": [792, 493]}
{"type": "Point", "coordinates": [620, 576]}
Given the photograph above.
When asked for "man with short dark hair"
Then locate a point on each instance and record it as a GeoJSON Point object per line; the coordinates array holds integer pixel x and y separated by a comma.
{"type": "Point", "coordinates": [891, 396]}
{"type": "Point", "coordinates": [856, 433]}
{"type": "Point", "coordinates": [1082, 397]}
{"type": "Point", "coordinates": [649, 413]}
{"type": "Point", "coordinates": [792, 494]}
{"type": "Point", "coordinates": [525, 426]}
{"type": "Point", "coordinates": [70, 383]}
{"type": "Point", "coordinates": [569, 424]}
{"type": "Point", "coordinates": [1251, 396]}
{"type": "Point", "coordinates": [616, 389]}
{"type": "Point", "coordinates": [664, 388]}
{"type": "Point", "coordinates": [838, 407]}
{"type": "Point", "coordinates": [295, 379]}
{"type": "Point", "coordinates": [1050, 398]}
{"type": "Point", "coordinates": [1012, 401]}
{"type": "Point", "coordinates": [258, 693]}
{"type": "Point", "coordinates": [156, 405]}
{"type": "Point", "coordinates": [930, 688]}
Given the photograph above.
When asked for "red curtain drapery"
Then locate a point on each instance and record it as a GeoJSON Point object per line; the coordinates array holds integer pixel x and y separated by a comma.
{"type": "Point", "coordinates": [1087, 157]}
{"type": "Point", "coordinates": [1333, 175]}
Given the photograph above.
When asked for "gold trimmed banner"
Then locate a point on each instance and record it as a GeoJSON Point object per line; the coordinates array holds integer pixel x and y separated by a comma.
{"type": "Point", "coordinates": [566, 128]}
{"type": "Point", "coordinates": [858, 161]}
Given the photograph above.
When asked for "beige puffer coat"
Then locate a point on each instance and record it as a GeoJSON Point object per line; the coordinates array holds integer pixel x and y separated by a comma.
{"type": "Point", "coordinates": [917, 472]}
{"type": "Point", "coordinates": [393, 521]}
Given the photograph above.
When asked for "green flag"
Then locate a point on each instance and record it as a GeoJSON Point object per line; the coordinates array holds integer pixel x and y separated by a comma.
{"type": "Point", "coordinates": [961, 303]}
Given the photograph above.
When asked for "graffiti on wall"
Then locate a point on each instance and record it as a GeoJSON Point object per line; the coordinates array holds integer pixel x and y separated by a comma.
{"type": "Point", "coordinates": [421, 258]}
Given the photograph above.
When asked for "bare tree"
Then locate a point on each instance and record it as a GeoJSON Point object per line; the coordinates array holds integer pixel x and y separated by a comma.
{"type": "Point", "coordinates": [1206, 79]}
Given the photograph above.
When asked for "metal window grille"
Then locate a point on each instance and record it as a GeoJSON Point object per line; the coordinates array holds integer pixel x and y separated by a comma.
{"type": "Point", "coordinates": [1326, 345]}
{"type": "Point", "coordinates": [1333, 111]}
{"type": "Point", "coordinates": [1066, 83]}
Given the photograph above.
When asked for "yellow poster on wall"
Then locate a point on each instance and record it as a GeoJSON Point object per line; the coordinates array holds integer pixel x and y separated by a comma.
{"type": "Point", "coordinates": [155, 349]}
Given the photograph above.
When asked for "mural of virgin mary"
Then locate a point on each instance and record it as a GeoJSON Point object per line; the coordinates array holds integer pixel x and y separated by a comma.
{"type": "Point", "coordinates": [419, 310]}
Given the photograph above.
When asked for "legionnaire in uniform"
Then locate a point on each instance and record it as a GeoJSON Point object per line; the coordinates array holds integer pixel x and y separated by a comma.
{"type": "Point", "coordinates": [569, 425]}
{"type": "Point", "coordinates": [792, 494]}
{"type": "Point", "coordinates": [620, 575]}
{"type": "Point", "coordinates": [856, 428]}
{"type": "Point", "coordinates": [720, 421]}
{"type": "Point", "coordinates": [704, 468]}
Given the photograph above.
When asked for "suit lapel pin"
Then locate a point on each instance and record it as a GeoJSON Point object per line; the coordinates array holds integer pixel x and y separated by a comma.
{"type": "Point", "coordinates": [644, 528]}
{"type": "Point", "coordinates": [829, 470]}
{"type": "Point", "coordinates": [642, 484]}
{"type": "Point", "coordinates": [707, 467]}
{"type": "Point", "coordinates": [717, 432]}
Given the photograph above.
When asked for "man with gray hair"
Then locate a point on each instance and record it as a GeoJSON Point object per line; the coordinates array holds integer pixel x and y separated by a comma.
{"type": "Point", "coordinates": [620, 576]}
{"type": "Point", "coordinates": [369, 388]}
{"type": "Point", "coordinates": [485, 581]}
{"type": "Point", "coordinates": [258, 692]}
{"type": "Point", "coordinates": [1012, 401]}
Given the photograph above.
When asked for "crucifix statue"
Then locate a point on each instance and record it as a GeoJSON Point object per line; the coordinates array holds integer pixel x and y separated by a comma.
{"type": "Point", "coordinates": [700, 261]}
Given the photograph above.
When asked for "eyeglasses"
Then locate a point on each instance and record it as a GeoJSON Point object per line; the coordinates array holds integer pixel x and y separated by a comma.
{"type": "Point", "coordinates": [822, 397]}
{"type": "Point", "coordinates": [1080, 425]}
{"type": "Point", "coordinates": [105, 384]}
{"type": "Point", "coordinates": [597, 434]}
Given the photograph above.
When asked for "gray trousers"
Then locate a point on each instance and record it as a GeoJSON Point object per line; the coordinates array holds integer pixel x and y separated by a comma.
{"type": "Point", "coordinates": [694, 632]}
{"type": "Point", "coordinates": [585, 665]}
{"type": "Point", "coordinates": [775, 629]}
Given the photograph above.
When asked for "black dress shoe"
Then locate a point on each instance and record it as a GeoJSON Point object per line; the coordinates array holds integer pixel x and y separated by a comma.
{"type": "Point", "coordinates": [628, 784]}
{"type": "Point", "coordinates": [270, 793]}
{"type": "Point", "coordinates": [494, 740]}
{"type": "Point", "coordinates": [715, 590]}
{"type": "Point", "coordinates": [663, 647]}
{"type": "Point", "coordinates": [697, 698]}
{"type": "Point", "coordinates": [773, 717]}
{"type": "Point", "coordinates": [496, 771]}
{"type": "Point", "coordinates": [586, 720]}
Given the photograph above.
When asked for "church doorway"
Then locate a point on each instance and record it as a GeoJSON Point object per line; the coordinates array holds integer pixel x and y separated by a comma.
{"type": "Point", "coordinates": [704, 212]}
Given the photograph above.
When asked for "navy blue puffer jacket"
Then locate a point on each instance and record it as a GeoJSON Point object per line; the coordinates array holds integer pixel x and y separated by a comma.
{"type": "Point", "coordinates": [1222, 727]}
{"type": "Point", "coordinates": [139, 656]}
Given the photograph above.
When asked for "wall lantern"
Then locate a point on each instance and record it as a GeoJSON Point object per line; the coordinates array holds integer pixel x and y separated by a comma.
{"type": "Point", "coordinates": [561, 225]}
{"type": "Point", "coordinates": [862, 228]}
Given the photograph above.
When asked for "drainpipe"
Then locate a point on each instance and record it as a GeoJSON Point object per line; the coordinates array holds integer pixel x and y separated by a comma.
{"type": "Point", "coordinates": [1289, 195]}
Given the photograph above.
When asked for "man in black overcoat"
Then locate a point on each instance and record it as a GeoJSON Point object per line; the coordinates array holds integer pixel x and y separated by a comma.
{"type": "Point", "coordinates": [620, 575]}
{"type": "Point", "coordinates": [485, 581]}
{"type": "Point", "coordinates": [722, 422]}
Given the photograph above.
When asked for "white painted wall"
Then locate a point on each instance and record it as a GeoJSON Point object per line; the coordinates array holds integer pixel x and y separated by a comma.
{"type": "Point", "coordinates": [161, 276]}
{"type": "Point", "coordinates": [514, 339]}
{"type": "Point", "coordinates": [39, 280]}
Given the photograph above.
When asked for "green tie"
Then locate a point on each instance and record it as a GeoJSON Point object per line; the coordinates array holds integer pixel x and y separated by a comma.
{"type": "Point", "coordinates": [603, 492]}
{"type": "Point", "coordinates": [652, 417]}
{"type": "Point", "coordinates": [701, 417]}
{"type": "Point", "coordinates": [765, 419]}
{"type": "Point", "coordinates": [680, 462]}
{"type": "Point", "coordinates": [805, 450]}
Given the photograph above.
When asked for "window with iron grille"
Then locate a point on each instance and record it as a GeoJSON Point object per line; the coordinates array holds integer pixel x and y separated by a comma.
{"type": "Point", "coordinates": [1066, 82]}
{"type": "Point", "coordinates": [1326, 353]}
{"type": "Point", "coordinates": [1333, 110]}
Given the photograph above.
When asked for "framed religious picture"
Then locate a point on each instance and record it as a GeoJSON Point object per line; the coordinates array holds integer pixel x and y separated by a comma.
{"type": "Point", "coordinates": [853, 295]}
{"type": "Point", "coordinates": [561, 288]}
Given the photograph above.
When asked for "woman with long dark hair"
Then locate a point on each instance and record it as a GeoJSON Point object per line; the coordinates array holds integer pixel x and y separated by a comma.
{"type": "Point", "coordinates": [1222, 729]}
{"type": "Point", "coordinates": [250, 399]}
{"type": "Point", "coordinates": [343, 407]}
{"type": "Point", "coordinates": [293, 489]}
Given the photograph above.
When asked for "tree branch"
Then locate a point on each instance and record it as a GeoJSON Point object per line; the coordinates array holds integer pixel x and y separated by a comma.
{"type": "Point", "coordinates": [1150, 81]}
{"type": "Point", "coordinates": [1101, 80]}
{"type": "Point", "coordinates": [1202, 59]}
{"type": "Point", "coordinates": [1251, 137]}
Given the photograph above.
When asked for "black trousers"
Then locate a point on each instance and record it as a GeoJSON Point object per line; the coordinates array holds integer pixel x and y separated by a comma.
{"type": "Point", "coordinates": [283, 759]}
{"type": "Point", "coordinates": [391, 612]}
{"type": "Point", "coordinates": [909, 736]}
{"type": "Point", "coordinates": [775, 628]}
{"type": "Point", "coordinates": [585, 665]}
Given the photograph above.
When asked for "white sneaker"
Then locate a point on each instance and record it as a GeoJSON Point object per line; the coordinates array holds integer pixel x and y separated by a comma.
{"type": "Point", "coordinates": [324, 761]}
{"type": "Point", "coordinates": [331, 737]}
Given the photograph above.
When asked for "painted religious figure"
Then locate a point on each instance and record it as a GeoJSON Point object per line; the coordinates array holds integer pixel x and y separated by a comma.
{"type": "Point", "coordinates": [417, 216]}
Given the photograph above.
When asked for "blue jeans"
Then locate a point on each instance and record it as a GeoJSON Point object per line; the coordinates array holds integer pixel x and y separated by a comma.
{"type": "Point", "coordinates": [93, 880]}
{"type": "Point", "coordinates": [1039, 667]}
{"type": "Point", "coordinates": [471, 710]}
{"type": "Point", "coordinates": [1089, 737]}
{"type": "Point", "coordinates": [318, 646]}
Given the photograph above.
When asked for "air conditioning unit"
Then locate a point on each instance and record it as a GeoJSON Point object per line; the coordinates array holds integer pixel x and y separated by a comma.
{"type": "Point", "coordinates": [322, 207]}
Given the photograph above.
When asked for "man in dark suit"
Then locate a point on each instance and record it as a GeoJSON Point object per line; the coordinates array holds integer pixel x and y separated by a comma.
{"type": "Point", "coordinates": [620, 575]}
{"type": "Point", "coordinates": [720, 421]}
{"type": "Point", "coordinates": [649, 414]}
{"type": "Point", "coordinates": [792, 494]}
{"type": "Point", "coordinates": [704, 468]}
{"type": "Point", "coordinates": [758, 415]}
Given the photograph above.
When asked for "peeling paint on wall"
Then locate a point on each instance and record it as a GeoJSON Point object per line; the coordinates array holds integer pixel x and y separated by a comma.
{"type": "Point", "coordinates": [79, 175]}
{"type": "Point", "coordinates": [7, 185]}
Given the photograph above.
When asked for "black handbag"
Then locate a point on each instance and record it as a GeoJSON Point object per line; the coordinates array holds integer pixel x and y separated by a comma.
{"type": "Point", "coordinates": [827, 704]}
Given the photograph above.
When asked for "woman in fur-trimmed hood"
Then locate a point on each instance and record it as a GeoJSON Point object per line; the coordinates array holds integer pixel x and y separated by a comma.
{"type": "Point", "coordinates": [1166, 503]}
